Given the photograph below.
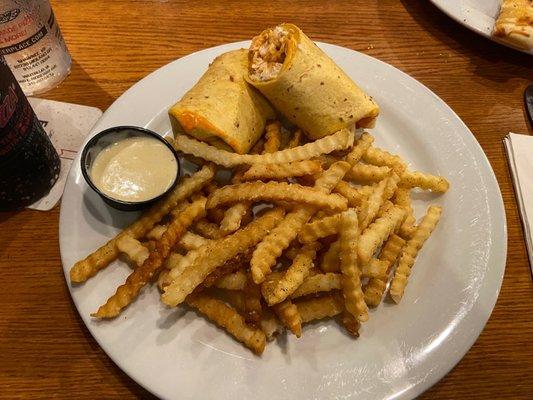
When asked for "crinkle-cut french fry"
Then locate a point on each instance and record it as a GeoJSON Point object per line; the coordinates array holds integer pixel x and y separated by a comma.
{"type": "Point", "coordinates": [377, 232]}
{"type": "Point", "coordinates": [351, 274]}
{"type": "Point", "coordinates": [235, 298]}
{"type": "Point", "coordinates": [379, 157]}
{"type": "Point", "coordinates": [319, 308]}
{"type": "Point", "coordinates": [314, 230]}
{"type": "Point", "coordinates": [340, 140]}
{"type": "Point", "coordinates": [410, 251]}
{"type": "Point", "coordinates": [127, 292]}
{"type": "Point", "coordinates": [375, 269]}
{"type": "Point", "coordinates": [233, 218]}
{"type": "Point", "coordinates": [353, 195]}
{"type": "Point", "coordinates": [360, 148]}
{"type": "Point", "coordinates": [163, 279]}
{"type": "Point", "coordinates": [349, 322]}
{"type": "Point", "coordinates": [210, 187]}
{"type": "Point", "coordinates": [293, 276]}
{"type": "Point", "coordinates": [282, 171]}
{"type": "Point", "coordinates": [252, 301]}
{"type": "Point", "coordinates": [392, 186]}
{"type": "Point", "coordinates": [99, 259]}
{"type": "Point", "coordinates": [216, 253]}
{"type": "Point", "coordinates": [318, 283]}
{"type": "Point", "coordinates": [437, 184]}
{"type": "Point", "coordinates": [402, 198]}
{"type": "Point", "coordinates": [156, 232]}
{"type": "Point", "coordinates": [288, 314]}
{"type": "Point", "coordinates": [330, 259]}
{"type": "Point", "coordinates": [367, 173]}
{"type": "Point", "coordinates": [272, 137]}
{"type": "Point", "coordinates": [270, 324]}
{"type": "Point", "coordinates": [240, 261]}
{"type": "Point", "coordinates": [375, 287]}
{"type": "Point", "coordinates": [291, 252]}
{"type": "Point", "coordinates": [207, 229]}
{"type": "Point", "coordinates": [295, 139]}
{"type": "Point", "coordinates": [229, 319]}
{"type": "Point", "coordinates": [375, 200]}
{"type": "Point", "coordinates": [135, 251]}
{"type": "Point", "coordinates": [276, 191]}
{"type": "Point", "coordinates": [191, 241]}
{"type": "Point", "coordinates": [272, 246]}
{"type": "Point", "coordinates": [234, 281]}
{"type": "Point", "coordinates": [330, 178]}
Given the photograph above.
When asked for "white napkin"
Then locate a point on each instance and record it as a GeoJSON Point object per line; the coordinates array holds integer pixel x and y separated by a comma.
{"type": "Point", "coordinates": [520, 153]}
{"type": "Point", "coordinates": [67, 125]}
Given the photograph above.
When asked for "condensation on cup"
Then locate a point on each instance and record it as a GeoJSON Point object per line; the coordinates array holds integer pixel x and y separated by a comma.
{"type": "Point", "coordinates": [32, 44]}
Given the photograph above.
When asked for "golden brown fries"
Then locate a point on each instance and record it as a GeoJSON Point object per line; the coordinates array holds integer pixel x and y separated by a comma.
{"type": "Point", "coordinates": [376, 156]}
{"type": "Point", "coordinates": [340, 140]}
{"type": "Point", "coordinates": [233, 218]}
{"type": "Point", "coordinates": [360, 148]}
{"type": "Point", "coordinates": [94, 262]}
{"type": "Point", "coordinates": [330, 259]}
{"type": "Point", "coordinates": [156, 232]}
{"type": "Point", "coordinates": [319, 308]}
{"type": "Point", "coordinates": [320, 228]}
{"type": "Point", "coordinates": [293, 276]}
{"type": "Point", "coordinates": [410, 251]}
{"type": "Point", "coordinates": [272, 137]}
{"type": "Point", "coordinates": [351, 324]}
{"type": "Point", "coordinates": [234, 281]}
{"type": "Point", "coordinates": [402, 198]}
{"type": "Point", "coordinates": [375, 287]}
{"type": "Point", "coordinates": [288, 314]}
{"type": "Point", "coordinates": [207, 229]}
{"type": "Point", "coordinates": [437, 184]}
{"type": "Point", "coordinates": [128, 291]}
{"type": "Point", "coordinates": [258, 274]}
{"type": "Point", "coordinates": [252, 302]}
{"type": "Point", "coordinates": [282, 171]}
{"type": "Point", "coordinates": [375, 269]}
{"type": "Point", "coordinates": [135, 251]}
{"type": "Point", "coordinates": [374, 236]}
{"type": "Point", "coordinates": [229, 319]}
{"type": "Point", "coordinates": [353, 195]}
{"type": "Point", "coordinates": [367, 173]}
{"type": "Point", "coordinates": [351, 274]}
{"type": "Point", "coordinates": [295, 139]}
{"type": "Point", "coordinates": [318, 283]}
{"type": "Point", "coordinates": [216, 253]}
{"type": "Point", "coordinates": [276, 191]}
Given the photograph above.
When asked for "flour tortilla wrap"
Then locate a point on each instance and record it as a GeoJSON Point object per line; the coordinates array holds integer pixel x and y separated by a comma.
{"type": "Point", "coordinates": [304, 84]}
{"type": "Point", "coordinates": [222, 108]}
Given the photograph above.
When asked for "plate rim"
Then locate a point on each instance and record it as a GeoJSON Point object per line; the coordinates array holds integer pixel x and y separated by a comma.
{"type": "Point", "coordinates": [414, 390]}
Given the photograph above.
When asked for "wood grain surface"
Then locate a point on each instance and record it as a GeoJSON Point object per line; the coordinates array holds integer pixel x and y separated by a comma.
{"type": "Point", "coordinates": [46, 351]}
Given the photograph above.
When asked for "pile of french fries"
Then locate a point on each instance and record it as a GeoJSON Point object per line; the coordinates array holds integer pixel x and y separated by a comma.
{"type": "Point", "coordinates": [334, 233]}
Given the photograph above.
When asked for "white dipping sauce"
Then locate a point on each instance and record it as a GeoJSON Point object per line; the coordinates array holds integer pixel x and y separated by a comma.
{"type": "Point", "coordinates": [134, 169]}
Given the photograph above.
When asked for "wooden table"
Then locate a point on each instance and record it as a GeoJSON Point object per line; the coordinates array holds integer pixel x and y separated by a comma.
{"type": "Point", "coordinates": [45, 349]}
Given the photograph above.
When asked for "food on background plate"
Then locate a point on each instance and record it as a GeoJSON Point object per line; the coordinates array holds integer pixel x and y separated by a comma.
{"type": "Point", "coordinates": [305, 85]}
{"type": "Point", "coordinates": [134, 169]}
{"type": "Point", "coordinates": [515, 23]}
{"type": "Point", "coordinates": [320, 242]}
{"type": "Point", "coordinates": [222, 108]}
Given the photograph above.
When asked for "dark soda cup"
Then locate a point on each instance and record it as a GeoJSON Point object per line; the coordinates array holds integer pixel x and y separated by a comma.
{"type": "Point", "coordinates": [29, 164]}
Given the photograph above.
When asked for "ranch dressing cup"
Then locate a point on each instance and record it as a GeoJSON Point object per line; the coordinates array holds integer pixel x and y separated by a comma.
{"type": "Point", "coordinates": [32, 45]}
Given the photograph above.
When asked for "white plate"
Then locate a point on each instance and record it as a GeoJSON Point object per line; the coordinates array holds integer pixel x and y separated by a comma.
{"type": "Point", "coordinates": [477, 15]}
{"type": "Point", "coordinates": [403, 349]}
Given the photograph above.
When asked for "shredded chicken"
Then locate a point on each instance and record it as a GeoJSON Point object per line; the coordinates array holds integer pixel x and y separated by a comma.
{"type": "Point", "coordinates": [268, 53]}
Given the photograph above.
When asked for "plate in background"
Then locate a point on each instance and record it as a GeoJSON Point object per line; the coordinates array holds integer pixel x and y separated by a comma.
{"type": "Point", "coordinates": [477, 15]}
